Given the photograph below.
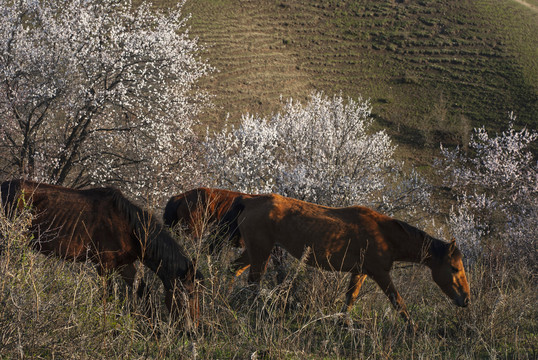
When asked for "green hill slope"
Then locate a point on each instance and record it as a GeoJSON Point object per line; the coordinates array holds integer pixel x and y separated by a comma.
{"type": "Point", "coordinates": [431, 68]}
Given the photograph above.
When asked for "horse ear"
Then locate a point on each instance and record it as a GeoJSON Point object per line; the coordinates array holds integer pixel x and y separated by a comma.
{"type": "Point", "coordinates": [452, 247]}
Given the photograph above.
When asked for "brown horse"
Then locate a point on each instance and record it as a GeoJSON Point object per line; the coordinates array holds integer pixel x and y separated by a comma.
{"type": "Point", "coordinates": [352, 239]}
{"type": "Point", "coordinates": [102, 226]}
{"type": "Point", "coordinates": [197, 208]}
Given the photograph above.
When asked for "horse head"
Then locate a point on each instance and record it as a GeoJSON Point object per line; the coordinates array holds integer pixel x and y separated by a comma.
{"type": "Point", "coordinates": [448, 272]}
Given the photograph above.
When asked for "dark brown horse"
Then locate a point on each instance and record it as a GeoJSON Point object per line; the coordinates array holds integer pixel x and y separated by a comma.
{"type": "Point", "coordinates": [352, 239]}
{"type": "Point", "coordinates": [197, 208]}
{"type": "Point", "coordinates": [102, 226]}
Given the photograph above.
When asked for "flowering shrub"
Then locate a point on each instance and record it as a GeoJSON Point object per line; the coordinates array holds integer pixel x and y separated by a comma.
{"type": "Point", "coordinates": [323, 152]}
{"type": "Point", "coordinates": [328, 155]}
{"type": "Point", "coordinates": [243, 159]}
{"type": "Point", "coordinates": [97, 91]}
{"type": "Point", "coordinates": [497, 188]}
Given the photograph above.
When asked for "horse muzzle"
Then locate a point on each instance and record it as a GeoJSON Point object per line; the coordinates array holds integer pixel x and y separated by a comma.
{"type": "Point", "coordinates": [462, 301]}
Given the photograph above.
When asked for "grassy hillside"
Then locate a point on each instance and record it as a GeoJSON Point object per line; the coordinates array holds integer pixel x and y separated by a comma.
{"type": "Point", "coordinates": [432, 68]}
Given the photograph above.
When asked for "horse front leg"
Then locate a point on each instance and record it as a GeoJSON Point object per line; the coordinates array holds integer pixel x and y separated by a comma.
{"type": "Point", "coordinates": [355, 283]}
{"type": "Point", "coordinates": [385, 283]}
{"type": "Point", "coordinates": [240, 264]}
{"type": "Point", "coordinates": [128, 274]}
{"type": "Point", "coordinates": [238, 267]}
{"type": "Point", "coordinates": [257, 269]}
{"type": "Point", "coordinates": [259, 258]}
{"type": "Point", "coordinates": [108, 285]}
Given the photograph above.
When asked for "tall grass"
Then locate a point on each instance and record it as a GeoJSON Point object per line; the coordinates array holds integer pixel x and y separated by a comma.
{"type": "Point", "coordinates": [51, 308]}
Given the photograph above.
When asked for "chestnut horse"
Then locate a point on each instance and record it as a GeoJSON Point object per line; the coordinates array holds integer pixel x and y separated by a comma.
{"type": "Point", "coordinates": [102, 226]}
{"type": "Point", "coordinates": [197, 208]}
{"type": "Point", "coordinates": [352, 239]}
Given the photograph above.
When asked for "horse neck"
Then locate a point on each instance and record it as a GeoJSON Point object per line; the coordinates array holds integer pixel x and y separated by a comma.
{"type": "Point", "coordinates": [411, 244]}
{"type": "Point", "coordinates": [165, 257]}
{"type": "Point", "coordinates": [158, 250]}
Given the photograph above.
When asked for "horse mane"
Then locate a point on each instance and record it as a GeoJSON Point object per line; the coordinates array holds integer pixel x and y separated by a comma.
{"type": "Point", "coordinates": [432, 246]}
{"type": "Point", "coordinates": [228, 223]}
{"type": "Point", "coordinates": [170, 212]}
{"type": "Point", "coordinates": [160, 252]}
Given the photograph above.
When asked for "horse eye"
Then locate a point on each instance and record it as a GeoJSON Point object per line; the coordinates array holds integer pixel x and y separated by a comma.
{"type": "Point", "coordinates": [455, 269]}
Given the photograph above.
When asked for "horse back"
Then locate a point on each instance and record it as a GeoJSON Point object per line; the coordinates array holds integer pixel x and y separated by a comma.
{"type": "Point", "coordinates": [338, 237]}
{"type": "Point", "coordinates": [74, 223]}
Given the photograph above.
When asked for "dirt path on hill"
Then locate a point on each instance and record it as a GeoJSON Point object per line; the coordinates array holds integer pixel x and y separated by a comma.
{"type": "Point", "coordinates": [530, 6]}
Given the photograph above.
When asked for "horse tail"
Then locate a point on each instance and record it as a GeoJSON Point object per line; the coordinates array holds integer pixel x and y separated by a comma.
{"type": "Point", "coordinates": [170, 212]}
{"type": "Point", "coordinates": [8, 193]}
{"type": "Point", "coordinates": [6, 199]}
{"type": "Point", "coordinates": [228, 223]}
{"type": "Point", "coordinates": [5, 193]}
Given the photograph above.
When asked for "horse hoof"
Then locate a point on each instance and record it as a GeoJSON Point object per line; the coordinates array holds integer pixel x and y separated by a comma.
{"type": "Point", "coordinates": [412, 328]}
{"type": "Point", "coordinates": [344, 320]}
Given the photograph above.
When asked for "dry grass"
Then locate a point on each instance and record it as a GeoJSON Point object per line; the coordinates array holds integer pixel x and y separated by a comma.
{"type": "Point", "coordinates": [55, 309]}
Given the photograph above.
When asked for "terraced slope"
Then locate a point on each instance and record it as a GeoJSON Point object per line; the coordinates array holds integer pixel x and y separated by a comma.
{"type": "Point", "coordinates": [254, 65]}
{"type": "Point", "coordinates": [431, 68]}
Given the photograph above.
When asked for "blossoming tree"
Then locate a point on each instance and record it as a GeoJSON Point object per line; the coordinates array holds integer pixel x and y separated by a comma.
{"type": "Point", "coordinates": [497, 188]}
{"type": "Point", "coordinates": [324, 152]}
{"type": "Point", "coordinates": [98, 92]}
